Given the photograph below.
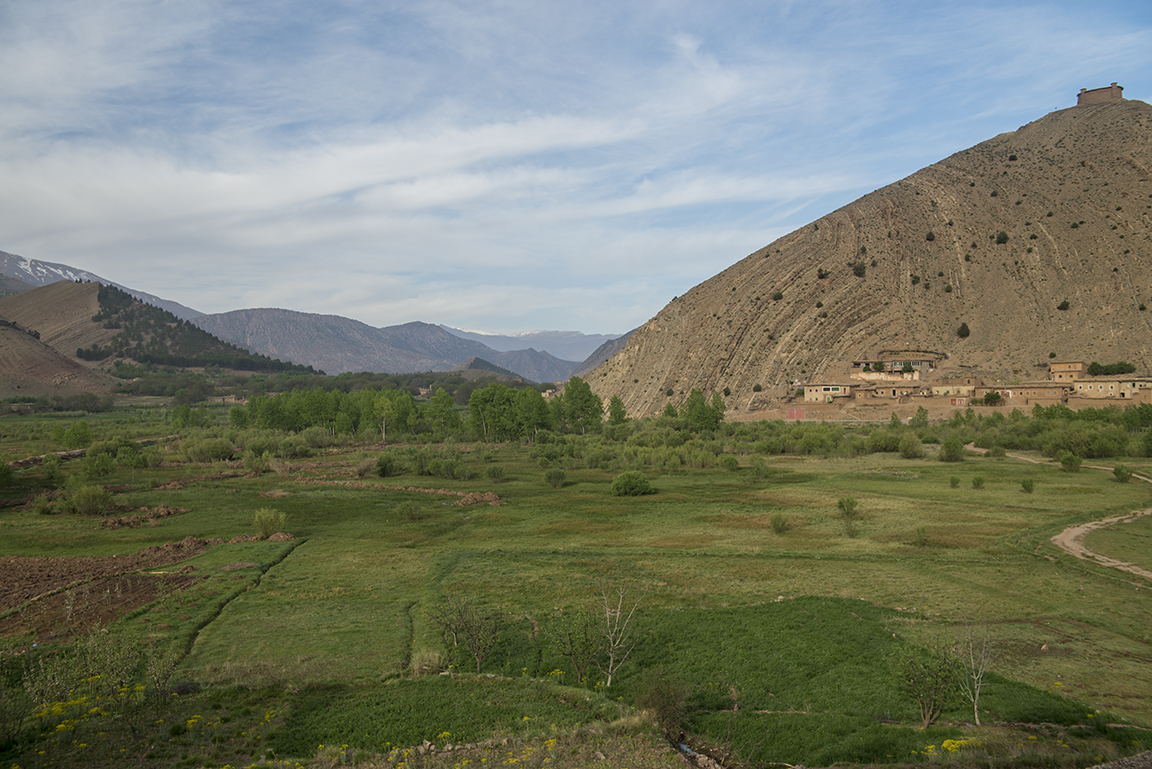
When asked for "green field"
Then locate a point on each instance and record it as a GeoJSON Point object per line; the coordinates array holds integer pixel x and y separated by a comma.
{"type": "Point", "coordinates": [768, 615]}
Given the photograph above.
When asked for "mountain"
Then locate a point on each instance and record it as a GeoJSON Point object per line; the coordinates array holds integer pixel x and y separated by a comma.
{"type": "Point", "coordinates": [339, 345]}
{"type": "Point", "coordinates": [19, 274]}
{"type": "Point", "coordinates": [102, 324]}
{"type": "Point", "coordinates": [602, 354]}
{"type": "Point", "coordinates": [566, 345]}
{"type": "Point", "coordinates": [997, 237]}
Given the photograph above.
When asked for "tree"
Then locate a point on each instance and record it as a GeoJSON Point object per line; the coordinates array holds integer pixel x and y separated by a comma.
{"type": "Point", "coordinates": [992, 398]}
{"type": "Point", "coordinates": [532, 412]}
{"type": "Point", "coordinates": [931, 676]}
{"type": "Point", "coordinates": [462, 624]}
{"type": "Point", "coordinates": [976, 656]}
{"type": "Point", "coordinates": [492, 412]}
{"type": "Point", "coordinates": [440, 413]}
{"type": "Point", "coordinates": [582, 409]}
{"type": "Point", "coordinates": [576, 635]}
{"type": "Point", "coordinates": [385, 411]}
{"type": "Point", "coordinates": [963, 331]}
{"type": "Point", "coordinates": [617, 605]}
{"type": "Point", "coordinates": [702, 417]}
{"type": "Point", "coordinates": [617, 415]}
{"type": "Point", "coordinates": [920, 420]}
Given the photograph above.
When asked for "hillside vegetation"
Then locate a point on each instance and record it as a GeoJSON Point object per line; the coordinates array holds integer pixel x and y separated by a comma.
{"type": "Point", "coordinates": [1040, 240]}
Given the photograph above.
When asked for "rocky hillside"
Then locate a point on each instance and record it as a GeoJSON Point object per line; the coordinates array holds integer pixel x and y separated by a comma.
{"type": "Point", "coordinates": [1040, 240]}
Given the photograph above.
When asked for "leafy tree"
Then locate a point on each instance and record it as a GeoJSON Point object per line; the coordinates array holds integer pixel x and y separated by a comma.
{"type": "Point", "coordinates": [952, 450]}
{"type": "Point", "coordinates": [532, 413]}
{"type": "Point", "coordinates": [670, 411]}
{"type": "Point", "coordinates": [700, 415]}
{"type": "Point", "coordinates": [919, 421]}
{"type": "Point", "coordinates": [385, 412]}
{"type": "Point", "coordinates": [583, 410]}
{"type": "Point", "coordinates": [492, 412]}
{"type": "Point", "coordinates": [992, 398]}
{"type": "Point", "coordinates": [931, 676]}
{"type": "Point", "coordinates": [617, 415]}
{"type": "Point", "coordinates": [440, 413]}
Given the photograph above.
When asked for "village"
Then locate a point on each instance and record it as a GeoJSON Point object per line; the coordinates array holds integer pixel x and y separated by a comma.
{"type": "Point", "coordinates": [902, 381]}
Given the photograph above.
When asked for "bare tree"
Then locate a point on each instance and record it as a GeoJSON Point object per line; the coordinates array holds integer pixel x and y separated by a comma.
{"type": "Point", "coordinates": [976, 655]}
{"type": "Point", "coordinates": [617, 604]}
{"type": "Point", "coordinates": [461, 623]}
{"type": "Point", "coordinates": [577, 636]}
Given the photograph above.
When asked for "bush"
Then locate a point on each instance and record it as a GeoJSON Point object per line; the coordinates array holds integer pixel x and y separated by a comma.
{"type": "Point", "coordinates": [1070, 463]}
{"type": "Point", "coordinates": [756, 388]}
{"type": "Point", "coordinates": [1122, 473]}
{"type": "Point", "coordinates": [963, 332]}
{"type": "Point", "coordinates": [954, 482]}
{"type": "Point", "coordinates": [1001, 238]}
{"type": "Point", "coordinates": [495, 473]}
{"type": "Point", "coordinates": [365, 466]}
{"type": "Point", "coordinates": [88, 500]}
{"type": "Point", "coordinates": [42, 505]}
{"type": "Point", "coordinates": [98, 466]}
{"type": "Point", "coordinates": [911, 447]}
{"type": "Point", "coordinates": [665, 698]}
{"type": "Point", "coordinates": [206, 449]}
{"type": "Point", "coordinates": [269, 521]}
{"type": "Point", "coordinates": [554, 477]}
{"type": "Point", "coordinates": [779, 523]}
{"type": "Point", "coordinates": [952, 450]}
{"type": "Point", "coordinates": [631, 484]}
{"type": "Point", "coordinates": [978, 482]}
{"type": "Point", "coordinates": [847, 506]}
{"type": "Point", "coordinates": [1027, 485]}
{"type": "Point", "coordinates": [1063, 305]}
{"type": "Point", "coordinates": [729, 462]}
{"type": "Point", "coordinates": [388, 465]}
{"type": "Point", "coordinates": [997, 452]}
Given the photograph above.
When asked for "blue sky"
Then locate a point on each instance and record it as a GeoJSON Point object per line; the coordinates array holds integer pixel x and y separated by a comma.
{"type": "Point", "coordinates": [500, 166]}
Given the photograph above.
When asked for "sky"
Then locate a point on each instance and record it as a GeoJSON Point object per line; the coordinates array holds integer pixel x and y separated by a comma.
{"type": "Point", "coordinates": [500, 166]}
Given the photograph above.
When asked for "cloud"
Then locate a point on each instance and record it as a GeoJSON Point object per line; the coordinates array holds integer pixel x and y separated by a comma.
{"type": "Point", "coordinates": [501, 165]}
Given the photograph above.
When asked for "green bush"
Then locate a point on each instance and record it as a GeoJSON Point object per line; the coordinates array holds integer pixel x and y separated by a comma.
{"type": "Point", "coordinates": [206, 449]}
{"type": "Point", "coordinates": [1122, 473]}
{"type": "Point", "coordinates": [729, 462]}
{"type": "Point", "coordinates": [98, 466]}
{"type": "Point", "coordinates": [631, 484]}
{"type": "Point", "coordinates": [88, 500]}
{"type": "Point", "coordinates": [847, 506]}
{"type": "Point", "coordinates": [952, 450]}
{"type": "Point", "coordinates": [911, 447]}
{"type": "Point", "coordinates": [494, 473]}
{"type": "Point", "coordinates": [269, 521]}
{"type": "Point", "coordinates": [388, 465]}
{"type": "Point", "coordinates": [42, 505]}
{"type": "Point", "coordinates": [978, 481]}
{"type": "Point", "coordinates": [1070, 463]}
{"type": "Point", "coordinates": [1027, 485]}
{"type": "Point", "coordinates": [997, 452]}
{"type": "Point", "coordinates": [954, 482]}
{"type": "Point", "coordinates": [779, 523]}
{"type": "Point", "coordinates": [554, 477]}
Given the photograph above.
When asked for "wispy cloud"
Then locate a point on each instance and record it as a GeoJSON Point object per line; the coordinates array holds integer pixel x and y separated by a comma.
{"type": "Point", "coordinates": [501, 165]}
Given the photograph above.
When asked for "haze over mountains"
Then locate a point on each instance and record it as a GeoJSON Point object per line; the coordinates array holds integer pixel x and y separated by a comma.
{"type": "Point", "coordinates": [997, 237]}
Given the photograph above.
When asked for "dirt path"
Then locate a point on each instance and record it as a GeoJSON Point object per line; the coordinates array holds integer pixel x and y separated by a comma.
{"type": "Point", "coordinates": [1071, 540]}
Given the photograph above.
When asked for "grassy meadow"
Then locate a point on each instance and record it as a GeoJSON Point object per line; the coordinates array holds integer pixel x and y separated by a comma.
{"type": "Point", "coordinates": [766, 618]}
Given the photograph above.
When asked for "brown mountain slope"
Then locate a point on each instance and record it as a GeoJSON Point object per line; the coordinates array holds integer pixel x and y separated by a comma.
{"type": "Point", "coordinates": [28, 367]}
{"type": "Point", "coordinates": [62, 313]}
{"type": "Point", "coordinates": [1073, 194]}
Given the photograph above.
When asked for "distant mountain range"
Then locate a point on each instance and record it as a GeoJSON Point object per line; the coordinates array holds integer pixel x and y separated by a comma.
{"type": "Point", "coordinates": [337, 345]}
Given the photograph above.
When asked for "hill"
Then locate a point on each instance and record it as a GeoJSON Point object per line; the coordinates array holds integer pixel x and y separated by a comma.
{"type": "Point", "coordinates": [18, 273]}
{"type": "Point", "coordinates": [339, 345]}
{"type": "Point", "coordinates": [30, 368]}
{"type": "Point", "coordinates": [102, 324]}
{"type": "Point", "coordinates": [998, 237]}
{"type": "Point", "coordinates": [478, 368]}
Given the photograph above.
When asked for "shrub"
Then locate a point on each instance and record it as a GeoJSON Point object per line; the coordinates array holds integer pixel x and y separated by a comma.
{"type": "Point", "coordinates": [978, 482]}
{"type": "Point", "coordinates": [954, 481]}
{"type": "Point", "coordinates": [409, 511]}
{"type": "Point", "coordinates": [963, 332]}
{"type": "Point", "coordinates": [930, 236]}
{"type": "Point", "coordinates": [1063, 305]}
{"type": "Point", "coordinates": [847, 506]}
{"type": "Point", "coordinates": [98, 466]}
{"type": "Point", "coordinates": [858, 269]}
{"type": "Point", "coordinates": [631, 484]}
{"type": "Point", "coordinates": [756, 388]}
{"type": "Point", "coordinates": [779, 523]}
{"type": "Point", "coordinates": [555, 478]}
{"type": "Point", "coordinates": [997, 452]}
{"type": "Point", "coordinates": [1027, 485]}
{"type": "Point", "coordinates": [777, 296]}
{"type": "Point", "coordinates": [665, 698]}
{"type": "Point", "coordinates": [952, 450]}
{"type": "Point", "coordinates": [42, 505]}
{"type": "Point", "coordinates": [921, 539]}
{"type": "Point", "coordinates": [1070, 463]}
{"type": "Point", "coordinates": [911, 447]}
{"type": "Point", "coordinates": [1001, 238]}
{"type": "Point", "coordinates": [365, 466]}
{"type": "Point", "coordinates": [463, 472]}
{"type": "Point", "coordinates": [89, 500]}
{"type": "Point", "coordinates": [206, 449]}
{"type": "Point", "coordinates": [1122, 473]}
{"type": "Point", "coordinates": [494, 473]}
{"type": "Point", "coordinates": [269, 521]}
{"type": "Point", "coordinates": [257, 464]}
{"type": "Point", "coordinates": [729, 462]}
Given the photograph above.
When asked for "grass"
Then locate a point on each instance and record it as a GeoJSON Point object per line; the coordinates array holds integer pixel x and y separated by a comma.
{"type": "Point", "coordinates": [325, 630]}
